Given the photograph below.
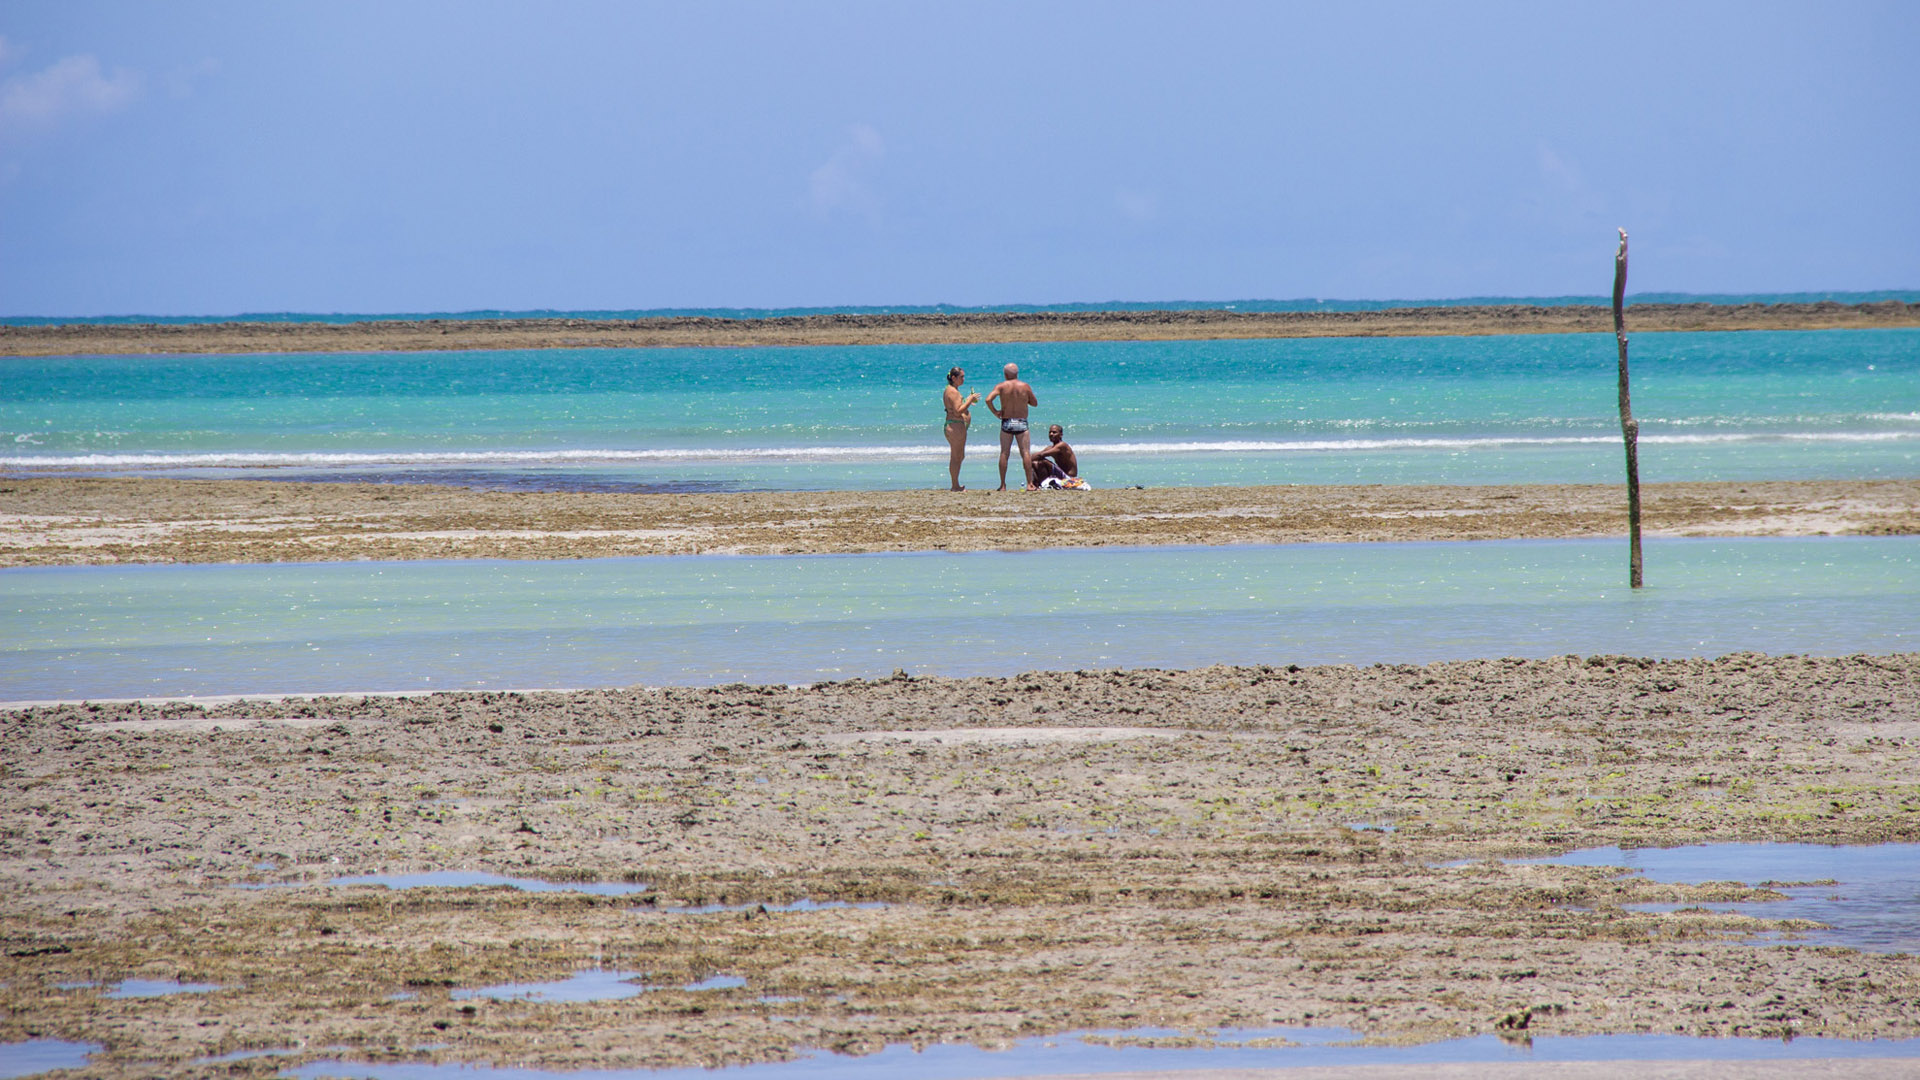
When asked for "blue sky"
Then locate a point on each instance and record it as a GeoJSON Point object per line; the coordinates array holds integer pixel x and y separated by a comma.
{"type": "Point", "coordinates": [209, 158]}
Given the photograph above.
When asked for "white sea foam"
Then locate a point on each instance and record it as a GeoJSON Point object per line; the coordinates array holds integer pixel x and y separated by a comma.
{"type": "Point", "coordinates": [1485, 442]}
{"type": "Point", "coordinates": [803, 454]}
{"type": "Point", "coordinates": [323, 459]}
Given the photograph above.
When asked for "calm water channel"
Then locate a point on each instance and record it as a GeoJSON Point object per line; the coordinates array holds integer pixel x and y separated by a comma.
{"type": "Point", "coordinates": [103, 632]}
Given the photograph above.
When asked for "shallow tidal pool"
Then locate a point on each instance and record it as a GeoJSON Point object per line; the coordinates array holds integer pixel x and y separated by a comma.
{"type": "Point", "coordinates": [150, 631]}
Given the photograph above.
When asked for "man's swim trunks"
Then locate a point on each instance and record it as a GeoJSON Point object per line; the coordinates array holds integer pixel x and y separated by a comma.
{"type": "Point", "coordinates": [1014, 425]}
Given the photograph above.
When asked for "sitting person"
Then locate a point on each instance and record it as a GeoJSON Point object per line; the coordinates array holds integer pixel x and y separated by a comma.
{"type": "Point", "coordinates": [1056, 465]}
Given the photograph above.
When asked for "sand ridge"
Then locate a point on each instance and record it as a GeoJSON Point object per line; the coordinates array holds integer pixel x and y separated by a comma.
{"type": "Point", "coordinates": [77, 520]}
{"type": "Point", "coordinates": [387, 335]}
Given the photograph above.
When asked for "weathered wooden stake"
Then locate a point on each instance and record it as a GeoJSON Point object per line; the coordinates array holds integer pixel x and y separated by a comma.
{"type": "Point", "coordinates": [1629, 427]}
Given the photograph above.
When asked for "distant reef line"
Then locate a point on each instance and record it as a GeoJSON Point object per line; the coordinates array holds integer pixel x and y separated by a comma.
{"type": "Point", "coordinates": [931, 328]}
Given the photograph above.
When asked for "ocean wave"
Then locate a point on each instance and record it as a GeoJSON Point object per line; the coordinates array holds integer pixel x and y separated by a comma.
{"type": "Point", "coordinates": [1471, 442]}
{"type": "Point", "coordinates": [803, 454]}
{"type": "Point", "coordinates": [1787, 421]}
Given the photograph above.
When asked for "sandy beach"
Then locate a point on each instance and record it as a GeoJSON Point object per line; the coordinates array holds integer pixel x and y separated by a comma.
{"type": "Point", "coordinates": [927, 329]}
{"type": "Point", "coordinates": [72, 520]}
{"type": "Point", "coordinates": [1055, 852]}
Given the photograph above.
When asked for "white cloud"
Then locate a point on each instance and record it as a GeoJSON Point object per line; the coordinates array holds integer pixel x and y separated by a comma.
{"type": "Point", "coordinates": [845, 181]}
{"type": "Point", "coordinates": [180, 82]}
{"type": "Point", "coordinates": [74, 86]}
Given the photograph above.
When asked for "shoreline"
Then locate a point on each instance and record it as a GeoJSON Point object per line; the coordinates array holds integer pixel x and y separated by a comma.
{"type": "Point", "coordinates": [52, 521]}
{"type": "Point", "coordinates": [930, 329]}
{"type": "Point", "coordinates": [1103, 850]}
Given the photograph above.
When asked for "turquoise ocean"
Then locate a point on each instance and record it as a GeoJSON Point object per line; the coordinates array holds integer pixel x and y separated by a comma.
{"type": "Point", "coordinates": [131, 631]}
{"type": "Point", "coordinates": [1745, 405]}
{"type": "Point", "coordinates": [1513, 409]}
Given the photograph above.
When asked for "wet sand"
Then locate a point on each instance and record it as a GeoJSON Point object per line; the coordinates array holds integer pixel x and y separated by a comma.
{"type": "Point", "coordinates": [1203, 858]}
{"type": "Point", "coordinates": [69, 520]}
{"type": "Point", "coordinates": [950, 328]}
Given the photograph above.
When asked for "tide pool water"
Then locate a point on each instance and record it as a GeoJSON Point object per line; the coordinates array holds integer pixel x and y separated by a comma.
{"type": "Point", "coordinates": [1525, 408]}
{"type": "Point", "coordinates": [1083, 1054]}
{"type": "Point", "coordinates": [35, 1056]}
{"type": "Point", "coordinates": [105, 631]}
{"type": "Point", "coordinates": [1870, 899]}
{"type": "Point", "coordinates": [462, 879]}
{"type": "Point", "coordinates": [1077, 1054]}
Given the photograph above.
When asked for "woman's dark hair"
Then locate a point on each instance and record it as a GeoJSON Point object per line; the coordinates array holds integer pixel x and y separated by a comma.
{"type": "Point", "coordinates": [954, 373]}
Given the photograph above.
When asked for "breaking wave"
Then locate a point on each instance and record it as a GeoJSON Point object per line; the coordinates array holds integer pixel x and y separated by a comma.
{"type": "Point", "coordinates": [801, 454]}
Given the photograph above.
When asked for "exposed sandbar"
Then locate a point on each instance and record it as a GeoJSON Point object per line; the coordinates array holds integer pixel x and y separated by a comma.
{"type": "Point", "coordinates": [929, 329]}
{"type": "Point", "coordinates": [1201, 860]}
{"type": "Point", "coordinates": [70, 520]}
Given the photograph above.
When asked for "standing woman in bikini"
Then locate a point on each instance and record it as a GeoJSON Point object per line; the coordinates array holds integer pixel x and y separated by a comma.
{"type": "Point", "coordinates": [958, 419]}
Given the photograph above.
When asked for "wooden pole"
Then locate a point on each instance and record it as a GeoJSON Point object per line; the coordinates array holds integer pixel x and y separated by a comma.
{"type": "Point", "coordinates": [1629, 427]}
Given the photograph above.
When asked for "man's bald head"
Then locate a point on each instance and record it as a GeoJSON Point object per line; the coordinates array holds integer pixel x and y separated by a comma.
{"type": "Point", "coordinates": [1011, 371]}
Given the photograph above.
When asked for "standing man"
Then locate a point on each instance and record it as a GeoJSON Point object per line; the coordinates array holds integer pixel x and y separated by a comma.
{"type": "Point", "coordinates": [1015, 399]}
